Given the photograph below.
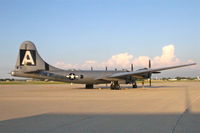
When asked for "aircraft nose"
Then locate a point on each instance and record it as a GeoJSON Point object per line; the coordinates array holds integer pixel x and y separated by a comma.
{"type": "Point", "coordinates": [12, 73]}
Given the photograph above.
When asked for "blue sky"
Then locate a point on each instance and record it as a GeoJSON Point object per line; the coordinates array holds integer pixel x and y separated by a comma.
{"type": "Point", "coordinates": [77, 31]}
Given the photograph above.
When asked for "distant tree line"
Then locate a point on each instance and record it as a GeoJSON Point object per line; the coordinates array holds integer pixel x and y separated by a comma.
{"type": "Point", "coordinates": [180, 78]}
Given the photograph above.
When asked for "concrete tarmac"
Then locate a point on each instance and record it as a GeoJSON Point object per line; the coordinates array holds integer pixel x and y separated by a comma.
{"type": "Point", "coordinates": [167, 107]}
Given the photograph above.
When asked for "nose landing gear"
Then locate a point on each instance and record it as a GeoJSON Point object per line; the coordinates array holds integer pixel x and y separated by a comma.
{"type": "Point", "coordinates": [115, 85]}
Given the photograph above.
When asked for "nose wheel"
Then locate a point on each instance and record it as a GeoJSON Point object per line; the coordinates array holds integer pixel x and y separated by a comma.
{"type": "Point", "coordinates": [115, 85]}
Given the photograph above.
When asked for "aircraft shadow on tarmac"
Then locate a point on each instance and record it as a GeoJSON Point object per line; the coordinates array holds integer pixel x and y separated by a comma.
{"type": "Point", "coordinates": [104, 123]}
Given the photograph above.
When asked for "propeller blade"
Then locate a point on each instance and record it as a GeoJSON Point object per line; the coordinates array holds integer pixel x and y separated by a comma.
{"type": "Point", "coordinates": [149, 64]}
{"type": "Point", "coordinates": [150, 73]}
{"type": "Point", "coordinates": [150, 82]}
{"type": "Point", "coordinates": [131, 67]}
{"type": "Point", "coordinates": [106, 70]}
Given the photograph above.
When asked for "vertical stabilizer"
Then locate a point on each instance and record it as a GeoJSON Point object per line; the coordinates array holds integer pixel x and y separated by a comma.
{"type": "Point", "coordinates": [29, 60]}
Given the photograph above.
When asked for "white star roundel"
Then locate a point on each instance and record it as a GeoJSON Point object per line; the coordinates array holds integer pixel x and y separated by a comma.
{"type": "Point", "coordinates": [72, 76]}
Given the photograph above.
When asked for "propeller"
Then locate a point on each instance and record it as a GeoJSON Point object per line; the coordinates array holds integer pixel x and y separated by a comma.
{"type": "Point", "coordinates": [150, 73]}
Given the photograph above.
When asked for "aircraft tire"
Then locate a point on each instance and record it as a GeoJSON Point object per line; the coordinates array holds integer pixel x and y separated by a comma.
{"type": "Point", "coordinates": [89, 86]}
{"type": "Point", "coordinates": [134, 86]}
{"type": "Point", "coordinates": [115, 86]}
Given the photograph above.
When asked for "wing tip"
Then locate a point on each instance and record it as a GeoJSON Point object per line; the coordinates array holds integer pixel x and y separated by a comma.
{"type": "Point", "coordinates": [192, 64]}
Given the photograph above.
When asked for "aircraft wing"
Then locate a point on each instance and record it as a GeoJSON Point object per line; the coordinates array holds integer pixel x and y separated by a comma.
{"type": "Point", "coordinates": [140, 73]}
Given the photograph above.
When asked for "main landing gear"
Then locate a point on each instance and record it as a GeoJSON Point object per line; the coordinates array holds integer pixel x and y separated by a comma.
{"type": "Point", "coordinates": [115, 85]}
{"type": "Point", "coordinates": [89, 86]}
{"type": "Point", "coordinates": [134, 85]}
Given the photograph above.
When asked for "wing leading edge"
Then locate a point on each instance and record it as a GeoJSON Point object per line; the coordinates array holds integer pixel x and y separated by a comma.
{"type": "Point", "coordinates": [140, 73]}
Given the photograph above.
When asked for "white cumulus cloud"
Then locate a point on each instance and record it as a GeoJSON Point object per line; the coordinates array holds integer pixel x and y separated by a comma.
{"type": "Point", "coordinates": [123, 60]}
{"type": "Point", "coordinates": [168, 57]}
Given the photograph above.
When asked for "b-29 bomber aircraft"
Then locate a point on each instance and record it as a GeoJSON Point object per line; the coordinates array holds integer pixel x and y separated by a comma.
{"type": "Point", "coordinates": [31, 65]}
